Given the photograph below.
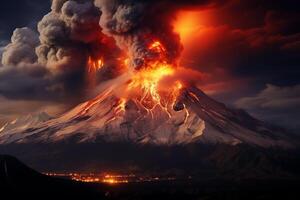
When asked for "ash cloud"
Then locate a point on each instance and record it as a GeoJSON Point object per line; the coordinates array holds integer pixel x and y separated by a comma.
{"type": "Point", "coordinates": [51, 62]}
{"type": "Point", "coordinates": [53, 58]}
{"type": "Point", "coordinates": [66, 30]}
{"type": "Point", "coordinates": [136, 24]}
{"type": "Point", "coordinates": [22, 47]}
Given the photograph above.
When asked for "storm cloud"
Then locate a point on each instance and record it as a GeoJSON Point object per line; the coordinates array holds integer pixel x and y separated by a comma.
{"type": "Point", "coordinates": [279, 105]}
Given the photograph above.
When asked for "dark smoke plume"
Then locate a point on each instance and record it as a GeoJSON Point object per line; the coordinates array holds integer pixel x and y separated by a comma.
{"type": "Point", "coordinates": [136, 24]}
{"type": "Point", "coordinates": [66, 37]}
{"type": "Point", "coordinates": [70, 33]}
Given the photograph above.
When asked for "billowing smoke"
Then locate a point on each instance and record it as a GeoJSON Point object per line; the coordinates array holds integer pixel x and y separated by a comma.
{"type": "Point", "coordinates": [76, 31]}
{"type": "Point", "coordinates": [67, 32]}
{"type": "Point", "coordinates": [22, 47]}
{"type": "Point", "coordinates": [136, 24]}
{"type": "Point", "coordinates": [65, 38]}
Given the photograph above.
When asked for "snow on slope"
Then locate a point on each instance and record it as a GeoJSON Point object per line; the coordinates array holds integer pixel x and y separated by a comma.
{"type": "Point", "coordinates": [13, 128]}
{"type": "Point", "coordinates": [108, 118]}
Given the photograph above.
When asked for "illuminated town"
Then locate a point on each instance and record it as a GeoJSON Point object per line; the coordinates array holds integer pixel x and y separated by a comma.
{"type": "Point", "coordinates": [112, 179]}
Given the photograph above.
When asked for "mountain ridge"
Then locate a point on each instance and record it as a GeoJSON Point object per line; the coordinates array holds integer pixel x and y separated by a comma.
{"type": "Point", "coordinates": [194, 117]}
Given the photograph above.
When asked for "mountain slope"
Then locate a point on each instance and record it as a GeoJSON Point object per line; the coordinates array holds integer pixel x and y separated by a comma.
{"type": "Point", "coordinates": [23, 123]}
{"type": "Point", "coordinates": [195, 117]}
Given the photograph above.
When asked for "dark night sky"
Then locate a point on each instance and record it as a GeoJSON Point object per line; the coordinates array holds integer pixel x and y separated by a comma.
{"type": "Point", "coordinates": [249, 51]}
{"type": "Point", "coordinates": [20, 13]}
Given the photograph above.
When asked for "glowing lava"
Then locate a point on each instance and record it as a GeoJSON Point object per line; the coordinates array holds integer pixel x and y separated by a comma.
{"type": "Point", "coordinates": [157, 47]}
{"type": "Point", "coordinates": [147, 80]}
{"type": "Point", "coordinates": [145, 84]}
{"type": "Point", "coordinates": [94, 65]}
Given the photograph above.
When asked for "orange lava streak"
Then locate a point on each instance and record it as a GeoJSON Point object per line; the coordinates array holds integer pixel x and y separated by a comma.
{"type": "Point", "coordinates": [93, 102]}
{"type": "Point", "coordinates": [157, 47]}
{"type": "Point", "coordinates": [194, 96]}
{"type": "Point", "coordinates": [147, 83]}
{"type": "Point", "coordinates": [94, 65]}
{"type": "Point", "coordinates": [119, 107]}
{"type": "Point", "coordinates": [187, 114]}
{"type": "Point", "coordinates": [148, 79]}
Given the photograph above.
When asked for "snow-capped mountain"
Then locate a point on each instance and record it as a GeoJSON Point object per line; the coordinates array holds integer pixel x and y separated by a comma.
{"type": "Point", "coordinates": [23, 123]}
{"type": "Point", "coordinates": [195, 118]}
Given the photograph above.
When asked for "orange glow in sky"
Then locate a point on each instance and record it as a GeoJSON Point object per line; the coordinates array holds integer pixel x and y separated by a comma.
{"type": "Point", "coordinates": [188, 23]}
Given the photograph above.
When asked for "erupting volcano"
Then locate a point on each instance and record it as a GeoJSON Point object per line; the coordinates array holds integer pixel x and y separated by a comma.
{"type": "Point", "coordinates": [141, 109]}
{"type": "Point", "coordinates": [124, 60]}
{"type": "Point", "coordinates": [150, 104]}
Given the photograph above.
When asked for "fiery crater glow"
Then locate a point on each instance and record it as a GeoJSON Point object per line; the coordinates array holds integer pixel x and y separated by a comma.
{"type": "Point", "coordinates": [144, 84]}
{"type": "Point", "coordinates": [147, 80]}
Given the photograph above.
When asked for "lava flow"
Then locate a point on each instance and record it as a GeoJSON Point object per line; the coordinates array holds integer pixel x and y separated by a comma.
{"type": "Point", "coordinates": [145, 83]}
{"type": "Point", "coordinates": [146, 80]}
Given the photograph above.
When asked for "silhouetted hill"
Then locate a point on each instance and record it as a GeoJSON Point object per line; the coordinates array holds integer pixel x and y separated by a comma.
{"type": "Point", "coordinates": [18, 180]}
